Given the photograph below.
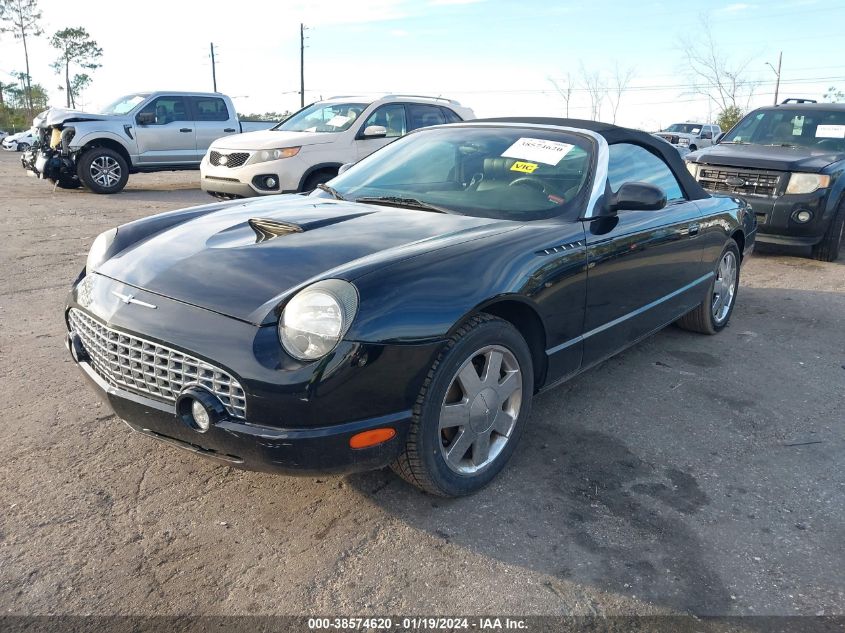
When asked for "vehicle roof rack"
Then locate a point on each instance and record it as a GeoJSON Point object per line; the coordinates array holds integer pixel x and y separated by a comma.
{"type": "Point", "coordinates": [792, 100]}
{"type": "Point", "coordinates": [452, 101]}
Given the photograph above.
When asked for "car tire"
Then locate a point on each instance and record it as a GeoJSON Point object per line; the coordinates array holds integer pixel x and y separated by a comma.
{"type": "Point", "coordinates": [445, 452]}
{"type": "Point", "coordinates": [712, 314]}
{"type": "Point", "coordinates": [692, 148]}
{"type": "Point", "coordinates": [317, 178]}
{"type": "Point", "coordinates": [103, 170]}
{"type": "Point", "coordinates": [827, 250]}
{"type": "Point", "coordinates": [23, 147]}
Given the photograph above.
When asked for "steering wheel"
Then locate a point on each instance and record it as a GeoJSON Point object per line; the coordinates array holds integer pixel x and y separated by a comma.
{"type": "Point", "coordinates": [535, 183]}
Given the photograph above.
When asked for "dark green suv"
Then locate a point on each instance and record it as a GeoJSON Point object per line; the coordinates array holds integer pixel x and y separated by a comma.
{"type": "Point", "coordinates": [787, 162]}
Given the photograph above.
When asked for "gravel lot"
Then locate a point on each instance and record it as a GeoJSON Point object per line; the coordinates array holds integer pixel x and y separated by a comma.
{"type": "Point", "coordinates": [690, 473]}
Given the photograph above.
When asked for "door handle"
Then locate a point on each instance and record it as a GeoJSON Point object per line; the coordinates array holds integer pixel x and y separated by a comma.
{"type": "Point", "coordinates": [694, 228]}
{"type": "Point", "coordinates": [186, 129]}
{"type": "Point", "coordinates": [230, 129]}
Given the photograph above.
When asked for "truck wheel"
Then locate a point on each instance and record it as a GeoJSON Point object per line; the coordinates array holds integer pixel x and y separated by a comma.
{"type": "Point", "coordinates": [828, 249]}
{"type": "Point", "coordinates": [714, 312]}
{"type": "Point", "coordinates": [103, 170]}
{"type": "Point", "coordinates": [471, 411]}
{"type": "Point", "coordinates": [692, 148]}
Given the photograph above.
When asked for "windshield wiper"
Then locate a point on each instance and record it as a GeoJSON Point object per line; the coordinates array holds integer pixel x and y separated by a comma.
{"type": "Point", "coordinates": [782, 145]}
{"type": "Point", "coordinates": [398, 201]}
{"type": "Point", "coordinates": [330, 190]}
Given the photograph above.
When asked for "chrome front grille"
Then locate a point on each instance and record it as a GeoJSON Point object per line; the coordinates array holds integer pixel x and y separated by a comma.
{"type": "Point", "coordinates": [755, 182]}
{"type": "Point", "coordinates": [143, 367]}
{"type": "Point", "coordinates": [235, 159]}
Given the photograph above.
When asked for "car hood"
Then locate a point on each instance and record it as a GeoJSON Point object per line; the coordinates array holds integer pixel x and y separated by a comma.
{"type": "Point", "coordinates": [273, 139]}
{"type": "Point", "coordinates": [57, 116]}
{"type": "Point", "coordinates": [766, 157]}
{"type": "Point", "coordinates": [225, 263]}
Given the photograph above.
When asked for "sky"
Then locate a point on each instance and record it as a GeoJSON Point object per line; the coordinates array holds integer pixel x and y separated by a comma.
{"type": "Point", "coordinates": [498, 57]}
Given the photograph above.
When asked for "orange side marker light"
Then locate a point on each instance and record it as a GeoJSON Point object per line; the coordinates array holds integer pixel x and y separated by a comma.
{"type": "Point", "coordinates": [366, 439]}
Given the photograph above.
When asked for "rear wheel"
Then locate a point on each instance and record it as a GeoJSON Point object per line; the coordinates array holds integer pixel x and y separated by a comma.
{"type": "Point", "coordinates": [828, 249]}
{"type": "Point", "coordinates": [471, 411]}
{"type": "Point", "coordinates": [103, 170]}
{"type": "Point", "coordinates": [714, 312]}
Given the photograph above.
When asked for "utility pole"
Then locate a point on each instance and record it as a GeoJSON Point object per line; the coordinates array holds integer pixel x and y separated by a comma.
{"type": "Point", "coordinates": [213, 69]}
{"type": "Point", "coordinates": [777, 73]}
{"type": "Point", "coordinates": [301, 65]}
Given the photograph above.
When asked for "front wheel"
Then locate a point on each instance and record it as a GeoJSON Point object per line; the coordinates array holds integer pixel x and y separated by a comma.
{"type": "Point", "coordinates": [827, 250]}
{"type": "Point", "coordinates": [23, 147]}
{"type": "Point", "coordinates": [103, 170]}
{"type": "Point", "coordinates": [471, 410]}
{"type": "Point", "coordinates": [714, 312]}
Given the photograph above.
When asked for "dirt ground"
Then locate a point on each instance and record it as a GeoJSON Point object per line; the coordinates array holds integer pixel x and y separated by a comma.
{"type": "Point", "coordinates": [690, 473]}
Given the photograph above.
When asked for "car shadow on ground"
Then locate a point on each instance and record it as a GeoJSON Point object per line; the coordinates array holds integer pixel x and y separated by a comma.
{"type": "Point", "coordinates": [639, 476]}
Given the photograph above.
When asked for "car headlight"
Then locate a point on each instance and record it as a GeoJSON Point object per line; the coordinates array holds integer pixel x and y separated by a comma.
{"type": "Point", "coordinates": [692, 168]}
{"type": "Point", "coordinates": [683, 141]}
{"type": "Point", "coordinates": [101, 245]}
{"type": "Point", "coordinates": [317, 318]}
{"type": "Point", "coordinates": [262, 156]}
{"type": "Point", "coordinates": [806, 183]}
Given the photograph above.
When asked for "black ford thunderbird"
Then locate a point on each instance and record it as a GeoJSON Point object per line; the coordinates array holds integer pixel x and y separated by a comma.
{"type": "Point", "coordinates": [405, 313]}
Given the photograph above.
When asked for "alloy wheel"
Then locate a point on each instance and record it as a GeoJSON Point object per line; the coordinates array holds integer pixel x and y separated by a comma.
{"type": "Point", "coordinates": [105, 171]}
{"type": "Point", "coordinates": [480, 410]}
{"type": "Point", "coordinates": [724, 287]}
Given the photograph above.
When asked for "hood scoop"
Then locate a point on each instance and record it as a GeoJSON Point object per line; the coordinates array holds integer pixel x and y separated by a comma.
{"type": "Point", "coordinates": [266, 230]}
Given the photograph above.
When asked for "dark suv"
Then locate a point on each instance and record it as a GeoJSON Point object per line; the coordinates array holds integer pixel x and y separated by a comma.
{"type": "Point", "coordinates": [787, 162]}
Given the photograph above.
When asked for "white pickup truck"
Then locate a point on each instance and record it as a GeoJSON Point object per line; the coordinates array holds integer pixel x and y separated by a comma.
{"type": "Point", "coordinates": [141, 132]}
{"type": "Point", "coordinates": [692, 136]}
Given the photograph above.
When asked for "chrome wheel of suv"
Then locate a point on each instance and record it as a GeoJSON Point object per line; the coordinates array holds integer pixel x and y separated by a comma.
{"type": "Point", "coordinates": [105, 171]}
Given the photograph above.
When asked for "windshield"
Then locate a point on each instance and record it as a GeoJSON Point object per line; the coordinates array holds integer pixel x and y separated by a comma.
{"type": "Point", "coordinates": [507, 173]}
{"type": "Point", "coordinates": [319, 117]}
{"type": "Point", "coordinates": [124, 104]}
{"type": "Point", "coordinates": [684, 128]}
{"type": "Point", "coordinates": [814, 128]}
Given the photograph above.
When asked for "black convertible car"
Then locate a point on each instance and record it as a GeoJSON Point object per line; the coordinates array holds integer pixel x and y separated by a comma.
{"type": "Point", "coordinates": [406, 313]}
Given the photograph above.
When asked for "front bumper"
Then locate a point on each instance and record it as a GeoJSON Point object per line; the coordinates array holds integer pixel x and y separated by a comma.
{"type": "Point", "coordinates": [244, 181]}
{"type": "Point", "coordinates": [298, 417]}
{"type": "Point", "coordinates": [775, 221]}
{"type": "Point", "coordinates": [292, 451]}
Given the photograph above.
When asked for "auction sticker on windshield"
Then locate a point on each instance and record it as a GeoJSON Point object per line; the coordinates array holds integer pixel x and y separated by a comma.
{"type": "Point", "coordinates": [538, 150]}
{"type": "Point", "coordinates": [830, 131]}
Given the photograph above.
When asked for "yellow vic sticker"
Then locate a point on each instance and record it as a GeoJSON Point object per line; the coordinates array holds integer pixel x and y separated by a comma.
{"type": "Point", "coordinates": [524, 167]}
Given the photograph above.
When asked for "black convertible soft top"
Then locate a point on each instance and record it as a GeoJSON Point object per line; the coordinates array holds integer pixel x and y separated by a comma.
{"type": "Point", "coordinates": [615, 134]}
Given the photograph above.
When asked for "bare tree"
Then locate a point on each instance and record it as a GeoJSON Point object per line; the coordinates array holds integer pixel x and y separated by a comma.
{"type": "Point", "coordinates": [621, 79]}
{"type": "Point", "coordinates": [565, 91]}
{"type": "Point", "coordinates": [596, 88]}
{"type": "Point", "coordinates": [715, 75]}
{"type": "Point", "coordinates": [21, 17]}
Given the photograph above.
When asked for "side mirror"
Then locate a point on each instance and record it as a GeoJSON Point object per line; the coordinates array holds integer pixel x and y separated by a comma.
{"type": "Point", "coordinates": [718, 137]}
{"type": "Point", "coordinates": [344, 167]}
{"type": "Point", "coordinates": [375, 131]}
{"type": "Point", "coordinates": [637, 196]}
{"type": "Point", "coordinates": [707, 135]}
{"type": "Point", "coordinates": [146, 118]}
